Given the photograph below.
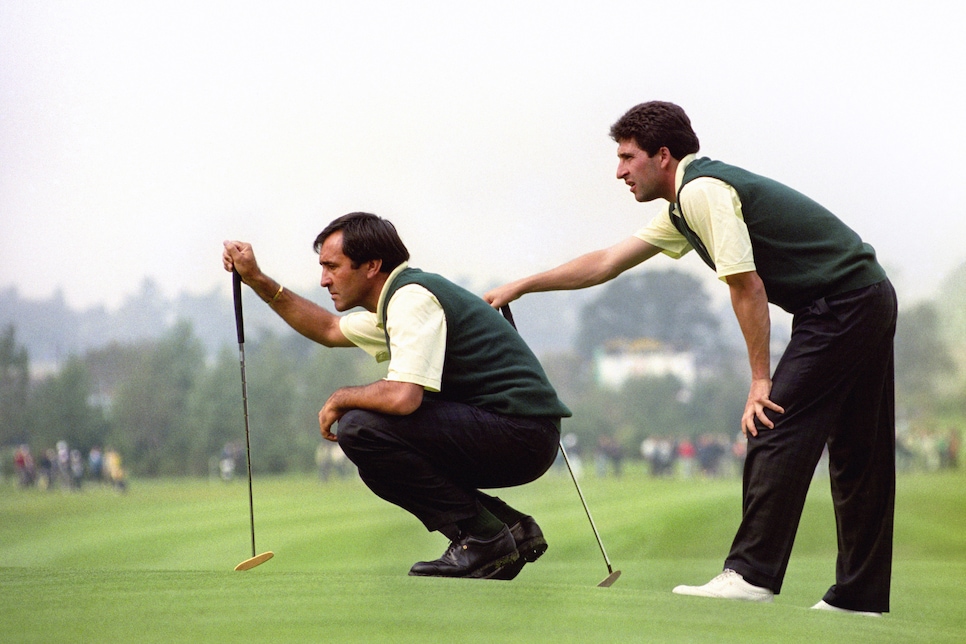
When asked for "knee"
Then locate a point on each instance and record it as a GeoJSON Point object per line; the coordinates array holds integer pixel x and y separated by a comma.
{"type": "Point", "coordinates": [356, 428]}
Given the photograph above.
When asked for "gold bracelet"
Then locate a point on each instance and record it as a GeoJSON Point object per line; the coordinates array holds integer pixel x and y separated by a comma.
{"type": "Point", "coordinates": [278, 294]}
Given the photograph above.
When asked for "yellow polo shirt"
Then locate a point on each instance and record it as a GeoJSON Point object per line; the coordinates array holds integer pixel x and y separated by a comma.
{"type": "Point", "coordinates": [417, 334]}
{"type": "Point", "coordinates": [714, 213]}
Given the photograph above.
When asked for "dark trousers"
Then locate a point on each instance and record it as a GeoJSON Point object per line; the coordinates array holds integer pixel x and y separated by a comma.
{"type": "Point", "coordinates": [433, 462]}
{"type": "Point", "coordinates": [836, 383]}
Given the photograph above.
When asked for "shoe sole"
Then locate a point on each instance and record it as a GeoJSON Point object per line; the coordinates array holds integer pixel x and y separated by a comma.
{"type": "Point", "coordinates": [530, 551]}
{"type": "Point", "coordinates": [697, 591]}
{"type": "Point", "coordinates": [490, 570]}
{"type": "Point", "coordinates": [486, 571]}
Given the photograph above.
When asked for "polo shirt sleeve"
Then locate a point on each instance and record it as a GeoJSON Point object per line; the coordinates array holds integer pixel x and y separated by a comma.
{"type": "Point", "coordinates": [362, 329]}
{"type": "Point", "coordinates": [713, 211]}
{"type": "Point", "coordinates": [417, 337]}
{"type": "Point", "coordinates": [661, 232]}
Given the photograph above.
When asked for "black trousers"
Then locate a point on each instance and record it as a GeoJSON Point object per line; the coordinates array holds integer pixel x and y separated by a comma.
{"type": "Point", "coordinates": [836, 382]}
{"type": "Point", "coordinates": [433, 462]}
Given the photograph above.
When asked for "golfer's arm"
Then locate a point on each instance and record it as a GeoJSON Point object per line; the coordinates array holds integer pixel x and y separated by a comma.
{"type": "Point", "coordinates": [383, 396]}
{"type": "Point", "coordinates": [305, 316]}
{"type": "Point", "coordinates": [750, 303]}
{"type": "Point", "coordinates": [587, 270]}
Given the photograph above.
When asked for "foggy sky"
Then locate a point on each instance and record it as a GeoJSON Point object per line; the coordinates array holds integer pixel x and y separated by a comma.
{"type": "Point", "coordinates": [135, 137]}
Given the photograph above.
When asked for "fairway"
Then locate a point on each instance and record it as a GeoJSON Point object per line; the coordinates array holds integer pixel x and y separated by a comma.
{"type": "Point", "coordinates": [155, 565]}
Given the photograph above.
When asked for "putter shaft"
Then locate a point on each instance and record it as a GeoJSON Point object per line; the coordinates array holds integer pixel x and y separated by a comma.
{"type": "Point", "coordinates": [240, 330]}
{"type": "Point", "coordinates": [583, 502]}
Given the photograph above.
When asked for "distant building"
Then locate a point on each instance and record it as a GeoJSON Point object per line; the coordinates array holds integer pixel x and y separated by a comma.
{"type": "Point", "coordinates": [621, 360]}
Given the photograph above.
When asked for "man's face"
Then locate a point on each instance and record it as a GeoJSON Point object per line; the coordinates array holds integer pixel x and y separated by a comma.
{"type": "Point", "coordinates": [348, 287]}
{"type": "Point", "coordinates": [644, 174]}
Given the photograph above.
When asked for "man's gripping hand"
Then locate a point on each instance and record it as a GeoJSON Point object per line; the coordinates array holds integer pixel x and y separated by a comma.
{"type": "Point", "coordinates": [240, 257]}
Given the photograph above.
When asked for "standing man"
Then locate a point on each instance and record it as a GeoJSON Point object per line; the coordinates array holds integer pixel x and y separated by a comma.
{"type": "Point", "coordinates": [833, 385]}
{"type": "Point", "coordinates": [465, 404]}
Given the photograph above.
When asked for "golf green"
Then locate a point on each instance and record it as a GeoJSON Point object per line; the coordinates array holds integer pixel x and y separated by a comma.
{"type": "Point", "coordinates": [156, 564]}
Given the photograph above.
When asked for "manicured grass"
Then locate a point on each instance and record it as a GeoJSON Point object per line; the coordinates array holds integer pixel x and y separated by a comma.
{"type": "Point", "coordinates": [156, 565]}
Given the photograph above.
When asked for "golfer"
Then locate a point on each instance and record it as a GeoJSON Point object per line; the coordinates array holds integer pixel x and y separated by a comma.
{"type": "Point", "coordinates": [465, 404]}
{"type": "Point", "coordinates": [832, 387]}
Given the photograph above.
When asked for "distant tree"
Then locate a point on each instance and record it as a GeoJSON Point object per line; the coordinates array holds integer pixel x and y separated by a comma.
{"type": "Point", "coordinates": [669, 306]}
{"type": "Point", "coordinates": [111, 365]}
{"type": "Point", "coordinates": [715, 405]}
{"type": "Point", "coordinates": [214, 412]}
{"type": "Point", "coordinates": [569, 374]}
{"type": "Point", "coordinates": [951, 309]}
{"type": "Point", "coordinates": [149, 408]}
{"type": "Point", "coordinates": [62, 408]}
{"type": "Point", "coordinates": [922, 359]}
{"type": "Point", "coordinates": [655, 406]}
{"type": "Point", "coordinates": [212, 317]}
{"type": "Point", "coordinates": [144, 315]}
{"type": "Point", "coordinates": [47, 327]}
{"type": "Point", "coordinates": [14, 386]}
{"type": "Point", "coordinates": [277, 436]}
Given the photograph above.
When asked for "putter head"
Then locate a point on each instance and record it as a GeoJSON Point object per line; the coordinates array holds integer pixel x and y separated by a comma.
{"type": "Point", "coordinates": [255, 561]}
{"type": "Point", "coordinates": [611, 578]}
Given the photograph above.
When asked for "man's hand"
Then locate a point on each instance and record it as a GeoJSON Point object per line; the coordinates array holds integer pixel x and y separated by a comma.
{"type": "Point", "coordinates": [240, 257]}
{"type": "Point", "coordinates": [329, 416]}
{"type": "Point", "coordinates": [502, 295]}
{"type": "Point", "coordinates": [758, 401]}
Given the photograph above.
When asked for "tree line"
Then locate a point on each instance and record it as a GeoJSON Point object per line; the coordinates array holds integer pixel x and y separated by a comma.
{"type": "Point", "coordinates": [171, 403]}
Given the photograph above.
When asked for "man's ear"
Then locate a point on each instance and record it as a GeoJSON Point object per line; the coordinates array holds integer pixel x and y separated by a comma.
{"type": "Point", "coordinates": [373, 266]}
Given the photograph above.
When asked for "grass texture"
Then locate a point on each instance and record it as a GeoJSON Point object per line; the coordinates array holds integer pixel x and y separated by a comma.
{"type": "Point", "coordinates": [156, 565]}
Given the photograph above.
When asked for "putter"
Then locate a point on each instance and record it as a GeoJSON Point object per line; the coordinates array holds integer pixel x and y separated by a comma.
{"type": "Point", "coordinates": [240, 329]}
{"type": "Point", "coordinates": [612, 574]}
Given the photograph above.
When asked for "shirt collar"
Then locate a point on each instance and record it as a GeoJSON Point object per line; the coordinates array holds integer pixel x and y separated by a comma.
{"type": "Point", "coordinates": [385, 289]}
{"type": "Point", "coordinates": [679, 173]}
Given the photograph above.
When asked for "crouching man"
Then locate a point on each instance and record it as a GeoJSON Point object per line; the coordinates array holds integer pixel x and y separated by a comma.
{"type": "Point", "coordinates": [465, 404]}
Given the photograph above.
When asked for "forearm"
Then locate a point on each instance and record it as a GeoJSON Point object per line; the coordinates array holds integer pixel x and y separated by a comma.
{"type": "Point", "coordinates": [750, 304]}
{"type": "Point", "coordinates": [383, 396]}
{"type": "Point", "coordinates": [583, 272]}
{"type": "Point", "coordinates": [587, 270]}
{"type": "Point", "coordinates": [304, 316]}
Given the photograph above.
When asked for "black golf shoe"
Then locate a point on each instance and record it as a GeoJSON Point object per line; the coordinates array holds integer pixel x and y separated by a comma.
{"type": "Point", "coordinates": [530, 545]}
{"type": "Point", "coordinates": [470, 557]}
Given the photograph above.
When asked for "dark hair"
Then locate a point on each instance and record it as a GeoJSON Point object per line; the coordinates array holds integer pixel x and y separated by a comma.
{"type": "Point", "coordinates": [364, 237]}
{"type": "Point", "coordinates": [657, 124]}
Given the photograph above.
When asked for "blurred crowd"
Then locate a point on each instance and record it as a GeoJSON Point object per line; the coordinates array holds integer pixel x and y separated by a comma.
{"type": "Point", "coordinates": [927, 450]}
{"type": "Point", "coordinates": [63, 468]}
{"type": "Point", "coordinates": [708, 456]}
{"type": "Point", "coordinates": [715, 456]}
{"type": "Point", "coordinates": [330, 461]}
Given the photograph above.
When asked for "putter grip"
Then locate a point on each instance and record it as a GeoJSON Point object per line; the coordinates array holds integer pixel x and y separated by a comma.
{"type": "Point", "coordinates": [505, 310]}
{"type": "Point", "coordinates": [236, 290]}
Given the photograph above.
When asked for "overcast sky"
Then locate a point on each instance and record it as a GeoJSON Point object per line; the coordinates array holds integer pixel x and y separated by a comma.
{"type": "Point", "coordinates": [136, 136]}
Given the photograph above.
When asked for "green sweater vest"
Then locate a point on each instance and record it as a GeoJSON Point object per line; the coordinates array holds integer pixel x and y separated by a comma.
{"type": "Point", "coordinates": [802, 251]}
{"type": "Point", "coordinates": [487, 363]}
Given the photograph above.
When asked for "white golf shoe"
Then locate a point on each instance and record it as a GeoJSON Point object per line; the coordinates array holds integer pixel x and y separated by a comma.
{"type": "Point", "coordinates": [728, 585]}
{"type": "Point", "coordinates": [823, 606]}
